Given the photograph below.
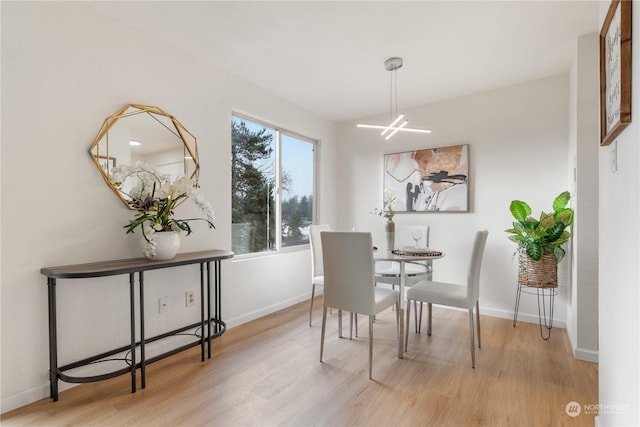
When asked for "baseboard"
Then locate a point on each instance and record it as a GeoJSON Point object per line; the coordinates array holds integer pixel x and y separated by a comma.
{"type": "Point", "coordinates": [239, 320]}
{"type": "Point", "coordinates": [586, 355]}
{"type": "Point", "coordinates": [522, 317]}
{"type": "Point", "coordinates": [23, 398]}
{"type": "Point", "coordinates": [581, 353]}
{"type": "Point", "coordinates": [32, 395]}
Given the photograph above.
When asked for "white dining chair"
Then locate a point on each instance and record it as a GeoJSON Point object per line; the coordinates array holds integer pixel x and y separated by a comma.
{"type": "Point", "coordinates": [455, 295]}
{"type": "Point", "coordinates": [349, 282]}
{"type": "Point", "coordinates": [317, 276]}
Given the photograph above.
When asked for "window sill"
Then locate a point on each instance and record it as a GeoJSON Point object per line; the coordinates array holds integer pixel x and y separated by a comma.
{"type": "Point", "coordinates": [282, 251]}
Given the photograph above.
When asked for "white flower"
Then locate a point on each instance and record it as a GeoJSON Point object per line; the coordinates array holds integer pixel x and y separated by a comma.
{"type": "Point", "coordinates": [150, 241]}
{"type": "Point", "coordinates": [155, 197]}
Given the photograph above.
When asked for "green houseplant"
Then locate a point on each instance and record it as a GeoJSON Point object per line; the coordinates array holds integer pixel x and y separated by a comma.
{"type": "Point", "coordinates": [545, 235]}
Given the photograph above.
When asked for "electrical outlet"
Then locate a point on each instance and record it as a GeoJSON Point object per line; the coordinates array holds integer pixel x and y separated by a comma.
{"type": "Point", "coordinates": [163, 304]}
{"type": "Point", "coordinates": [189, 298]}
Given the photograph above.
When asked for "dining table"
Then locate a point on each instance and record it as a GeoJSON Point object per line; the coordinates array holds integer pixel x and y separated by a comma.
{"type": "Point", "coordinates": [402, 257]}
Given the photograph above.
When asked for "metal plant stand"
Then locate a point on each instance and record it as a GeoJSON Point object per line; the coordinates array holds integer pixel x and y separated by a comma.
{"type": "Point", "coordinates": [542, 276]}
{"type": "Point", "coordinates": [546, 299]}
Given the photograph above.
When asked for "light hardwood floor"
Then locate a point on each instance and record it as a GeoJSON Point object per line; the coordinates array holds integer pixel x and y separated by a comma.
{"type": "Point", "coordinates": [267, 373]}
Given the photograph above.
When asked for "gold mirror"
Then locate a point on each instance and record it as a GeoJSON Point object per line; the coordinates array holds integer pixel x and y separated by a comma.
{"type": "Point", "coordinates": [142, 133]}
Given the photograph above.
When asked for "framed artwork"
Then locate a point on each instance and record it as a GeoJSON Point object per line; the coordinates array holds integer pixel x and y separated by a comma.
{"type": "Point", "coordinates": [107, 162]}
{"type": "Point", "coordinates": [615, 71]}
{"type": "Point", "coordinates": [430, 180]}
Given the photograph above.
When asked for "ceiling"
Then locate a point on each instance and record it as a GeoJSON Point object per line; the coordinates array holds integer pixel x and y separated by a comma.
{"type": "Point", "coordinates": [328, 56]}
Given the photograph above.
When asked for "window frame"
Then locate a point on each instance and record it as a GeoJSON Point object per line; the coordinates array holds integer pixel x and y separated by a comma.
{"type": "Point", "coordinates": [279, 132]}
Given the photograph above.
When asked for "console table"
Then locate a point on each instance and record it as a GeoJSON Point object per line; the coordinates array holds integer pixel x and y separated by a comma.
{"type": "Point", "coordinates": [211, 321]}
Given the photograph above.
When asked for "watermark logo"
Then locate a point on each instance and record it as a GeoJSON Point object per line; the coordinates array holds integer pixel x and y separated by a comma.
{"type": "Point", "coordinates": [573, 409]}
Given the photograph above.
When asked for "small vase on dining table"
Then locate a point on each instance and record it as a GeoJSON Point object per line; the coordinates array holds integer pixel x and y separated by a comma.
{"type": "Point", "coordinates": [390, 233]}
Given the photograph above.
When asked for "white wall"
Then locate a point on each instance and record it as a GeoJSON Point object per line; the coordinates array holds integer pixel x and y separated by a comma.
{"type": "Point", "coordinates": [518, 145]}
{"type": "Point", "coordinates": [65, 68]}
{"type": "Point", "coordinates": [582, 320]}
{"type": "Point", "coordinates": [619, 264]}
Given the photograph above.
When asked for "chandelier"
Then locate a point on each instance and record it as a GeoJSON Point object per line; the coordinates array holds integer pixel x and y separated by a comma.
{"type": "Point", "coordinates": [399, 123]}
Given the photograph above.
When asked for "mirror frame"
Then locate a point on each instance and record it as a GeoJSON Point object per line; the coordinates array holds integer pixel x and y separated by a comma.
{"type": "Point", "coordinates": [180, 131]}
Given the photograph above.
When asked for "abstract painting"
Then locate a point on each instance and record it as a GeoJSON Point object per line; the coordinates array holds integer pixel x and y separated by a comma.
{"type": "Point", "coordinates": [429, 180]}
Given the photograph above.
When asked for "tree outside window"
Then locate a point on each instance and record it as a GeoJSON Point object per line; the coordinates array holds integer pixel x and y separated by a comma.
{"type": "Point", "coordinates": [272, 187]}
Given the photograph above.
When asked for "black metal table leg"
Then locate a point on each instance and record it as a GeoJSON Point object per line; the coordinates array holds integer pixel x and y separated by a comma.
{"type": "Point", "coordinates": [53, 340]}
{"type": "Point", "coordinates": [143, 358]}
{"type": "Point", "coordinates": [132, 323]}
{"type": "Point", "coordinates": [209, 310]}
{"type": "Point", "coordinates": [218, 291]}
{"type": "Point", "coordinates": [202, 322]}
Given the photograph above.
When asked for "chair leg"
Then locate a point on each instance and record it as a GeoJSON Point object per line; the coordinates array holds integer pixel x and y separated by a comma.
{"type": "Point", "coordinates": [471, 341]}
{"type": "Point", "coordinates": [350, 326]}
{"type": "Point", "coordinates": [339, 323]}
{"type": "Point", "coordinates": [370, 346]}
{"type": "Point", "coordinates": [324, 323]}
{"type": "Point", "coordinates": [429, 310]}
{"type": "Point", "coordinates": [353, 320]}
{"type": "Point", "coordinates": [398, 336]}
{"type": "Point", "coordinates": [419, 324]}
{"type": "Point", "coordinates": [313, 294]}
{"type": "Point", "coordinates": [355, 315]}
{"type": "Point", "coordinates": [478, 321]}
{"type": "Point", "coordinates": [406, 325]}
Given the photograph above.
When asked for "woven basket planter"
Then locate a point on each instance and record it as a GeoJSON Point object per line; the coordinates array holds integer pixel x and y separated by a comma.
{"type": "Point", "coordinates": [538, 274]}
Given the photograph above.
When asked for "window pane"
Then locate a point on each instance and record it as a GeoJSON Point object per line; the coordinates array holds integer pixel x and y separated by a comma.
{"type": "Point", "coordinates": [252, 187]}
{"type": "Point", "coordinates": [297, 190]}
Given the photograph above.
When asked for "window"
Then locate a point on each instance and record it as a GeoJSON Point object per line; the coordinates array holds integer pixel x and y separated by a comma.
{"type": "Point", "coordinates": [272, 187]}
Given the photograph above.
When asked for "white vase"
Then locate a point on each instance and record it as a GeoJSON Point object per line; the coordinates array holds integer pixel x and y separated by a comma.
{"type": "Point", "coordinates": [165, 245]}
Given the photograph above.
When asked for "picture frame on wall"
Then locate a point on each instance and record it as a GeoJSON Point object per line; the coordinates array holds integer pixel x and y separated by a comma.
{"type": "Point", "coordinates": [615, 71]}
{"type": "Point", "coordinates": [428, 180]}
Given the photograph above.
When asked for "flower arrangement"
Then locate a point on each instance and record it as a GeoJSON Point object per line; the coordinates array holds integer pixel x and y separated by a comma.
{"type": "Point", "coordinates": [155, 197]}
{"type": "Point", "coordinates": [387, 206]}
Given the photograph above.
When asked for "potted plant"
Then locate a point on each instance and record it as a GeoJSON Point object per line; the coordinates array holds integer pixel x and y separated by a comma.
{"type": "Point", "coordinates": [155, 196]}
{"type": "Point", "coordinates": [540, 240]}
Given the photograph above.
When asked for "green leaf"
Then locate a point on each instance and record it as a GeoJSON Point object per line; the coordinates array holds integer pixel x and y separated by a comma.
{"type": "Point", "coordinates": [534, 250]}
{"type": "Point", "coordinates": [520, 210]}
{"type": "Point", "coordinates": [530, 224]}
{"type": "Point", "coordinates": [559, 253]}
{"type": "Point", "coordinates": [561, 201]}
{"type": "Point", "coordinates": [520, 240]}
{"type": "Point", "coordinates": [546, 220]}
{"type": "Point", "coordinates": [555, 232]}
{"type": "Point", "coordinates": [565, 216]}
